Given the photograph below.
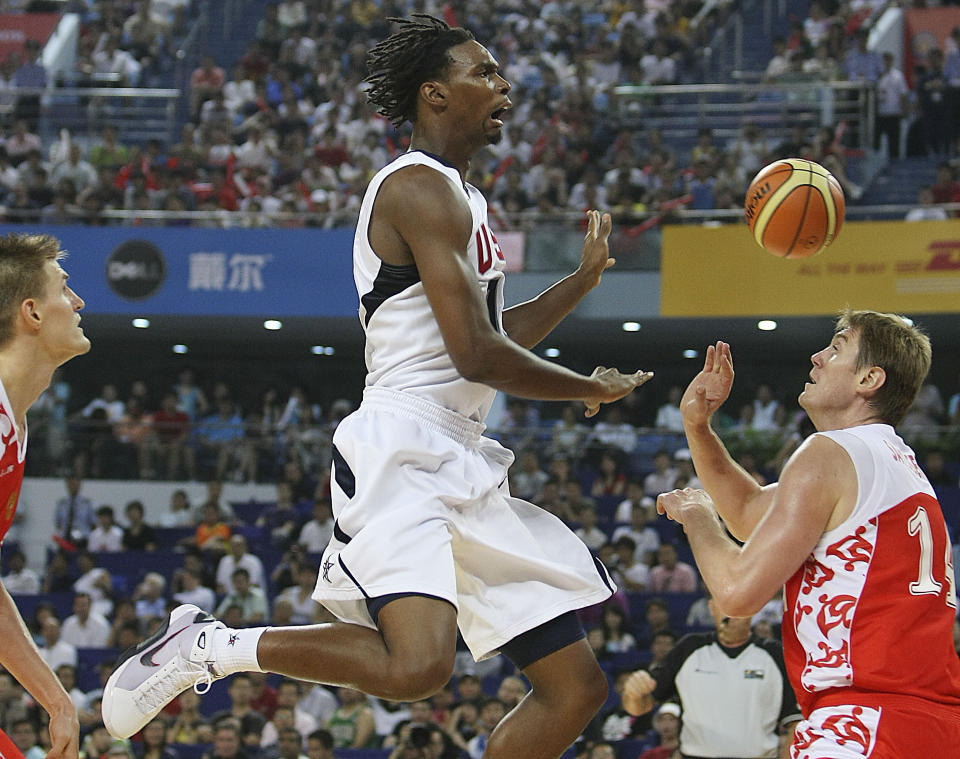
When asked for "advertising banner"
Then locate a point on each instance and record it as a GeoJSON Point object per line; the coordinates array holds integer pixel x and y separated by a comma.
{"type": "Point", "coordinates": [17, 28]}
{"type": "Point", "coordinates": [888, 266]}
{"type": "Point", "coordinates": [206, 272]}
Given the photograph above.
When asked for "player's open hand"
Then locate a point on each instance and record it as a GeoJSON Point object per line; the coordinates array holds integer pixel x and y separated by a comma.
{"type": "Point", "coordinates": [710, 388]}
{"type": "Point", "coordinates": [612, 385]}
{"type": "Point", "coordinates": [595, 258]}
{"type": "Point", "coordinates": [678, 505]}
{"type": "Point", "coordinates": [636, 697]}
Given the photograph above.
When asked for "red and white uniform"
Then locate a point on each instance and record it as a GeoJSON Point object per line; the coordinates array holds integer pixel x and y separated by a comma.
{"type": "Point", "coordinates": [868, 620]}
{"type": "Point", "coordinates": [13, 454]}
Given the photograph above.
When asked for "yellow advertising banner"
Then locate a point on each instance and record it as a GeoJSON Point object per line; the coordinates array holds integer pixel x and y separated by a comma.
{"type": "Point", "coordinates": [883, 265]}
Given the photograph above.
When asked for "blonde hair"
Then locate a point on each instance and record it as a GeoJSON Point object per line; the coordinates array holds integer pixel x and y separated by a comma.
{"type": "Point", "coordinates": [896, 346]}
{"type": "Point", "coordinates": [22, 258]}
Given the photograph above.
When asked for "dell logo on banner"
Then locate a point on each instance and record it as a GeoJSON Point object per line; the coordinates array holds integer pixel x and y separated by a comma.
{"type": "Point", "coordinates": [136, 269]}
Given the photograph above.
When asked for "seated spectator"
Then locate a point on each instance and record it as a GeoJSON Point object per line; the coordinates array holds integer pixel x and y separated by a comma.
{"type": "Point", "coordinates": [149, 597]}
{"type": "Point", "coordinates": [20, 580]}
{"type": "Point", "coordinates": [281, 519]}
{"type": "Point", "coordinates": [528, 478]}
{"type": "Point", "coordinates": [629, 573]}
{"type": "Point", "coordinates": [85, 628]}
{"type": "Point", "coordinates": [95, 581]}
{"type": "Point", "coordinates": [227, 743]}
{"type": "Point", "coordinates": [666, 729]}
{"type": "Point", "coordinates": [305, 610]}
{"type": "Point", "coordinates": [137, 535]}
{"type": "Point", "coordinates": [213, 533]}
{"type": "Point", "coordinates": [492, 711]}
{"type": "Point", "coordinates": [250, 598]}
{"type": "Point", "coordinates": [73, 515]}
{"type": "Point", "coordinates": [670, 575]}
{"type": "Point", "coordinates": [23, 734]}
{"type": "Point", "coordinates": [616, 630]}
{"type": "Point", "coordinates": [683, 464]}
{"type": "Point", "coordinates": [640, 530]}
{"type": "Point", "coordinates": [926, 210]}
{"type": "Point", "coordinates": [668, 415]}
{"type": "Point", "coordinates": [205, 80]}
{"type": "Point", "coordinates": [316, 533]}
{"type": "Point", "coordinates": [662, 478]}
{"type": "Point", "coordinates": [614, 431]}
{"type": "Point", "coordinates": [611, 481]}
{"type": "Point", "coordinates": [352, 724]}
{"type": "Point", "coordinates": [171, 429]}
{"type": "Point", "coordinates": [154, 743]}
{"type": "Point", "coordinates": [107, 536]}
{"type": "Point", "coordinates": [568, 435]}
{"type": "Point", "coordinates": [192, 590]}
{"type": "Point", "coordinates": [189, 725]}
{"type": "Point", "coordinates": [239, 556]}
{"type": "Point", "coordinates": [288, 698]}
{"type": "Point", "coordinates": [20, 141]}
{"type": "Point", "coordinates": [588, 531]}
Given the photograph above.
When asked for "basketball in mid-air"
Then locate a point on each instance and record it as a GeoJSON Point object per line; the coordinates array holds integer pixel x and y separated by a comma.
{"type": "Point", "coordinates": [794, 208]}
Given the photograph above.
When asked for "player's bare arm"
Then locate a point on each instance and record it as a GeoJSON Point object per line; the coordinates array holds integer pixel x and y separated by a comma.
{"type": "Point", "coordinates": [431, 217]}
{"type": "Point", "coordinates": [20, 657]}
{"type": "Point", "coordinates": [817, 491]}
{"type": "Point", "coordinates": [528, 323]}
{"type": "Point", "coordinates": [737, 497]}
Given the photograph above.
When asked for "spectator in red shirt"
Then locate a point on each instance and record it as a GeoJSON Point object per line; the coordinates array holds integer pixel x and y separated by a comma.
{"type": "Point", "coordinates": [207, 79]}
{"type": "Point", "coordinates": [171, 428]}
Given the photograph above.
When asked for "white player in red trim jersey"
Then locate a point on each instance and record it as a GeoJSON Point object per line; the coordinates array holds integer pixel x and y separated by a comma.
{"type": "Point", "coordinates": [39, 331]}
{"type": "Point", "coordinates": [854, 530]}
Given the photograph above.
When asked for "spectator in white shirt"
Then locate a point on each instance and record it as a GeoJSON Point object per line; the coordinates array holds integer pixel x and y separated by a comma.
{"type": "Point", "coordinates": [236, 558]}
{"type": "Point", "coordinates": [55, 651]}
{"type": "Point", "coordinates": [588, 531]}
{"type": "Point", "coordinates": [194, 591]}
{"type": "Point", "coordinates": [21, 580]}
{"type": "Point", "coordinates": [644, 536]}
{"type": "Point", "coordinates": [149, 598]}
{"type": "Point", "coordinates": [85, 628]}
{"type": "Point", "coordinates": [613, 431]}
{"type": "Point", "coordinates": [109, 402]}
{"type": "Point", "coordinates": [107, 535]}
{"type": "Point", "coordinates": [668, 415]}
{"type": "Point", "coordinates": [316, 533]}
{"type": "Point", "coordinates": [96, 581]}
{"type": "Point", "coordinates": [662, 478]}
{"type": "Point", "coordinates": [657, 67]}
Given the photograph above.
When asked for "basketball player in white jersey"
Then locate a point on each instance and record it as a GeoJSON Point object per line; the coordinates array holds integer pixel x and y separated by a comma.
{"type": "Point", "coordinates": [427, 537]}
{"type": "Point", "coordinates": [854, 531]}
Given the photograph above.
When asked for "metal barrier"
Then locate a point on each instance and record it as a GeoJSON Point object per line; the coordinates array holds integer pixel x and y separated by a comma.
{"type": "Point", "coordinates": [139, 114]}
{"type": "Point", "coordinates": [679, 110]}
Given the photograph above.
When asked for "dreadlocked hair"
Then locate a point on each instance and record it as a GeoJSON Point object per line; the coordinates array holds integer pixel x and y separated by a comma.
{"type": "Point", "coordinates": [413, 54]}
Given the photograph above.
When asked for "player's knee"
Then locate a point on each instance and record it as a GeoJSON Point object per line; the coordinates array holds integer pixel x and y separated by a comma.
{"type": "Point", "coordinates": [414, 680]}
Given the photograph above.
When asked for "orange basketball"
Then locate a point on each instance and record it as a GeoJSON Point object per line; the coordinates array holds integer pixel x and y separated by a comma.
{"type": "Point", "coordinates": [794, 208]}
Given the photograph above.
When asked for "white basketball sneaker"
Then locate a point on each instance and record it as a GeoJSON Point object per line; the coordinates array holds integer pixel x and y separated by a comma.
{"type": "Point", "coordinates": [151, 674]}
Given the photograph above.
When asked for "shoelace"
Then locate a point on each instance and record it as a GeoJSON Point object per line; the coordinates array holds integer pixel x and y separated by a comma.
{"type": "Point", "coordinates": [171, 680]}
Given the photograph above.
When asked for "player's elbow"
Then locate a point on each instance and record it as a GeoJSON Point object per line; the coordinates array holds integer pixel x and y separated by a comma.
{"type": "Point", "coordinates": [476, 363]}
{"type": "Point", "coordinates": [738, 600]}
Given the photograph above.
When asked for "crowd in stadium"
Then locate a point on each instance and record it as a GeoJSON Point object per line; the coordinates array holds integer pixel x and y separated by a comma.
{"type": "Point", "coordinates": [287, 131]}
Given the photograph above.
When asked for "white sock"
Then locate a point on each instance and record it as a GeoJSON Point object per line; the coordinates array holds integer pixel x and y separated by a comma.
{"type": "Point", "coordinates": [236, 650]}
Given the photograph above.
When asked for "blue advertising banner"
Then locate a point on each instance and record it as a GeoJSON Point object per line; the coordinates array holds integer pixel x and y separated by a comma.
{"type": "Point", "coordinates": [208, 272]}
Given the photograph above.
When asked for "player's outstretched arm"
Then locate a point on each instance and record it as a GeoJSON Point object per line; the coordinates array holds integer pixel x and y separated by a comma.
{"type": "Point", "coordinates": [737, 497]}
{"type": "Point", "coordinates": [818, 478]}
{"type": "Point", "coordinates": [431, 216]}
{"type": "Point", "coordinates": [529, 322]}
{"type": "Point", "coordinates": [20, 657]}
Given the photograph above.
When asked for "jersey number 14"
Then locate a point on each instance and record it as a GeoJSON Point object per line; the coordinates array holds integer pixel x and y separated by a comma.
{"type": "Point", "coordinates": [926, 584]}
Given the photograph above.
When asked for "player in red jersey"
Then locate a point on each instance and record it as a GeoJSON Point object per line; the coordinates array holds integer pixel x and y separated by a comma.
{"type": "Point", "coordinates": [854, 530]}
{"type": "Point", "coordinates": [39, 331]}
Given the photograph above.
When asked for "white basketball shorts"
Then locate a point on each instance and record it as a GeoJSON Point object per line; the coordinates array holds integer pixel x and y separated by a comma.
{"type": "Point", "coordinates": [421, 505]}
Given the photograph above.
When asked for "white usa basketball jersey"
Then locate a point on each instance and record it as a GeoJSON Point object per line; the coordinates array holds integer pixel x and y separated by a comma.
{"type": "Point", "coordinates": [404, 347]}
